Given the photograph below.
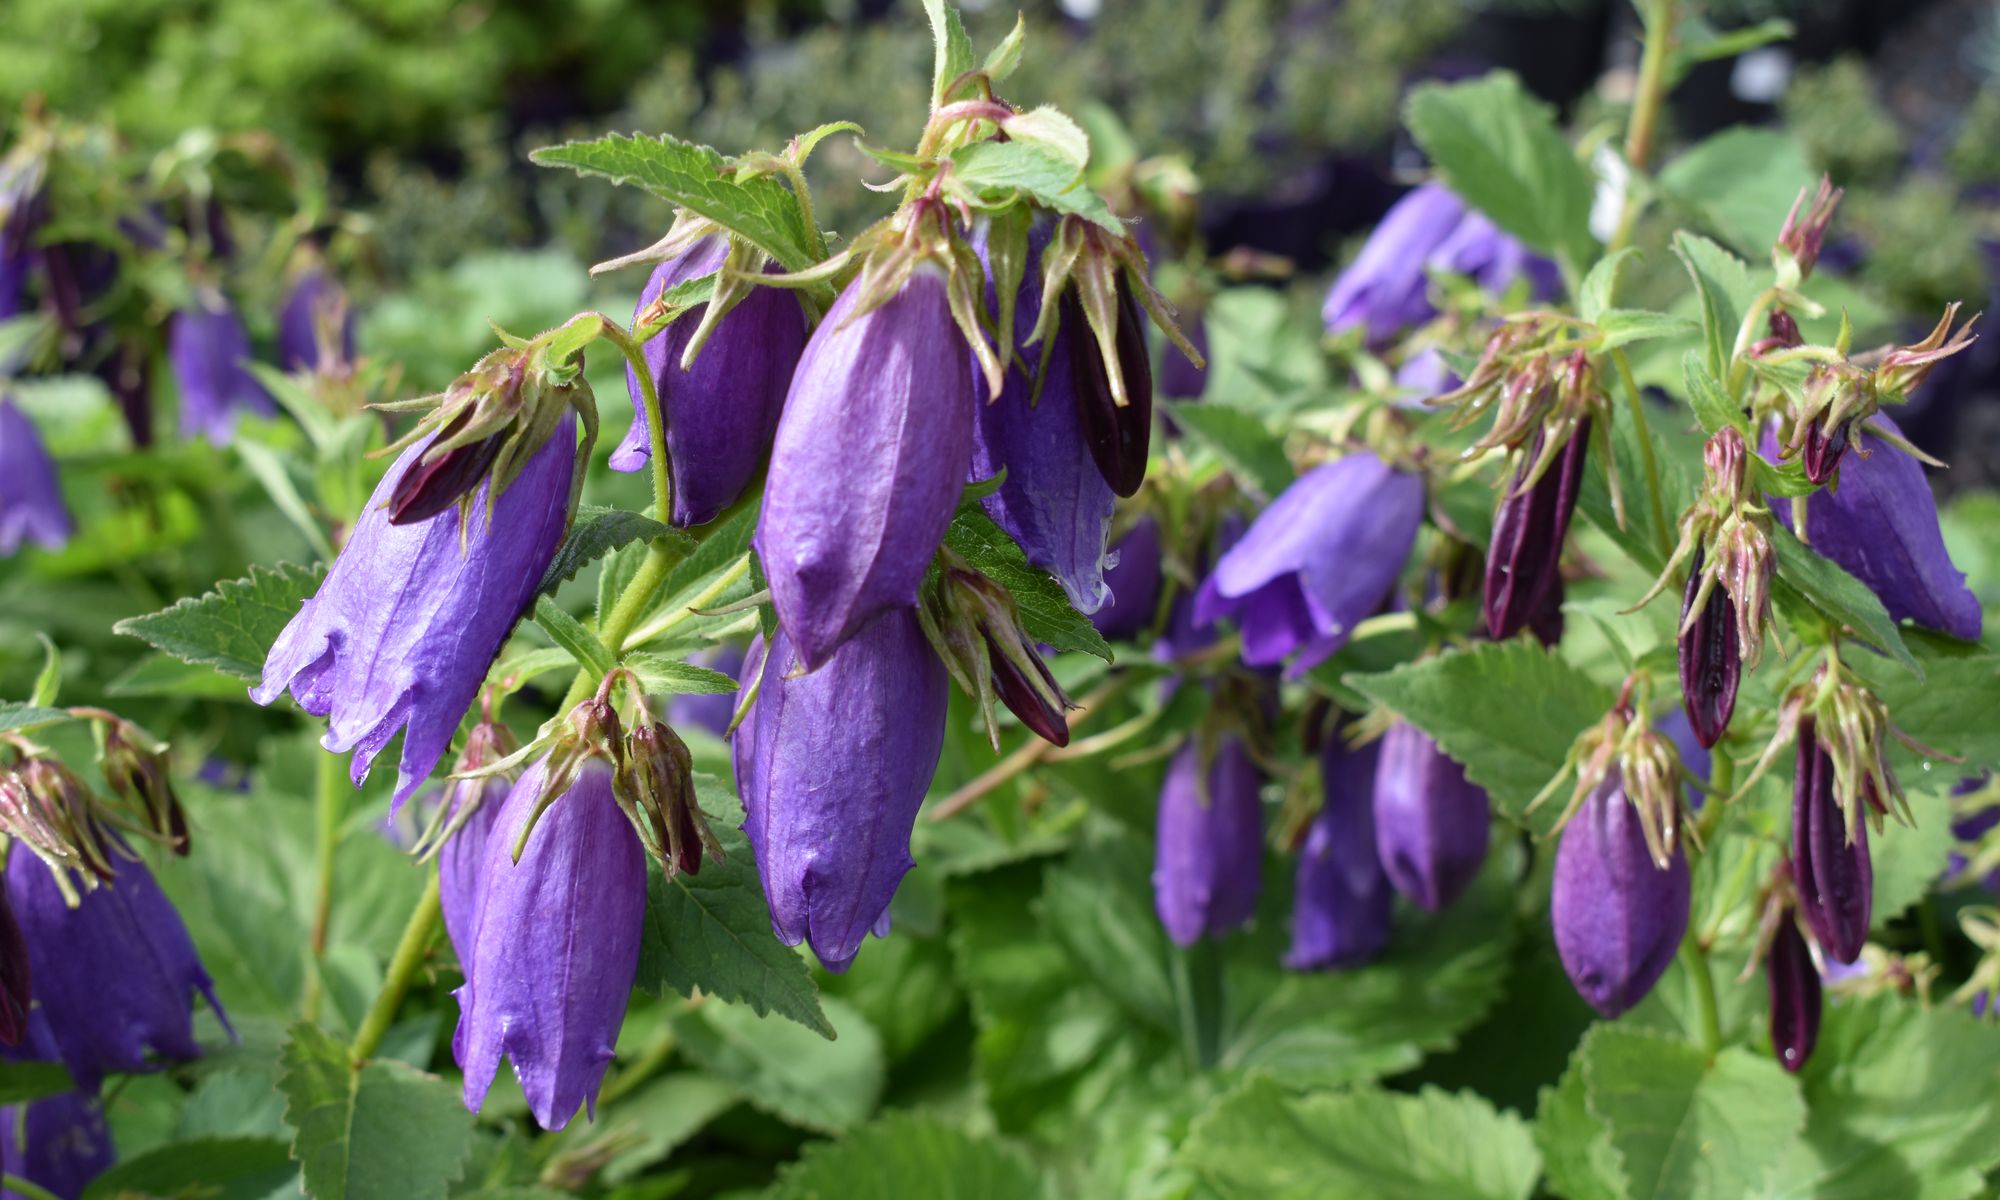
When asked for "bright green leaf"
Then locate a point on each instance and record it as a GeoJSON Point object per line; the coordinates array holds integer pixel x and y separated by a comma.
{"type": "Point", "coordinates": [1253, 454]}
{"type": "Point", "coordinates": [1808, 583]}
{"type": "Point", "coordinates": [220, 1168]}
{"type": "Point", "coordinates": [1740, 183]}
{"type": "Point", "coordinates": [597, 532]}
{"type": "Point", "coordinates": [385, 1132]}
{"type": "Point", "coordinates": [231, 628]}
{"type": "Point", "coordinates": [786, 1069]}
{"type": "Point", "coordinates": [1045, 610]}
{"type": "Point", "coordinates": [906, 1155]}
{"type": "Point", "coordinates": [569, 633]}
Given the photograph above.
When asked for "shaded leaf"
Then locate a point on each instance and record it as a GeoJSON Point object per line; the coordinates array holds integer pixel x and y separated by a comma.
{"type": "Point", "coordinates": [231, 628]}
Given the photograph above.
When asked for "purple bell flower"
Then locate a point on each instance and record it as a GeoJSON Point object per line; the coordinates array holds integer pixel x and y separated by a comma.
{"type": "Point", "coordinates": [1835, 876]}
{"type": "Point", "coordinates": [720, 412]}
{"type": "Point", "coordinates": [832, 767]}
{"type": "Point", "coordinates": [1054, 500]}
{"type": "Point", "coordinates": [462, 864]}
{"type": "Point", "coordinates": [1340, 909]}
{"type": "Point", "coordinates": [557, 947]}
{"type": "Point", "coordinates": [1618, 915]}
{"type": "Point", "coordinates": [112, 975]}
{"type": "Point", "coordinates": [400, 635]}
{"type": "Point", "coordinates": [871, 455]}
{"type": "Point", "coordinates": [31, 504]}
{"type": "Point", "coordinates": [1524, 557]}
{"type": "Point", "coordinates": [1431, 823]}
{"type": "Point", "coordinates": [1132, 583]}
{"type": "Point", "coordinates": [58, 1143]}
{"type": "Point", "coordinates": [1317, 562]}
{"type": "Point", "coordinates": [316, 299]}
{"type": "Point", "coordinates": [16, 977]}
{"type": "Point", "coordinates": [1208, 866]}
{"type": "Point", "coordinates": [208, 348]}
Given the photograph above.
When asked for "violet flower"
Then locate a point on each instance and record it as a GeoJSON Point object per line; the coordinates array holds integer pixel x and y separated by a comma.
{"type": "Point", "coordinates": [31, 503]}
{"type": "Point", "coordinates": [557, 946]}
{"type": "Point", "coordinates": [461, 862]}
{"type": "Point", "coordinates": [1317, 562]}
{"type": "Point", "coordinates": [1711, 660]}
{"type": "Point", "coordinates": [721, 411]}
{"type": "Point", "coordinates": [58, 1143]}
{"type": "Point", "coordinates": [316, 300]}
{"type": "Point", "coordinates": [402, 631]}
{"type": "Point", "coordinates": [1431, 823]}
{"type": "Point", "coordinates": [1131, 583]}
{"type": "Point", "coordinates": [1208, 864]}
{"type": "Point", "coordinates": [1795, 997]}
{"type": "Point", "coordinates": [871, 455]}
{"type": "Point", "coordinates": [1524, 557]}
{"type": "Point", "coordinates": [1179, 378]}
{"type": "Point", "coordinates": [208, 347]}
{"type": "Point", "coordinates": [832, 767]}
{"type": "Point", "coordinates": [1835, 877]}
{"type": "Point", "coordinates": [16, 977]}
{"type": "Point", "coordinates": [1618, 915]}
{"type": "Point", "coordinates": [1341, 906]}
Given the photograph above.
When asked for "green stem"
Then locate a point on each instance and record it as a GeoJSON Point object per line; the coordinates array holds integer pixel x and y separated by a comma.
{"type": "Point", "coordinates": [1646, 104]}
{"type": "Point", "coordinates": [707, 595]}
{"type": "Point", "coordinates": [409, 956]}
{"type": "Point", "coordinates": [1636, 401]}
{"type": "Point", "coordinates": [328, 800]}
{"type": "Point", "coordinates": [16, 1185]}
{"type": "Point", "coordinates": [656, 429]}
{"type": "Point", "coordinates": [1694, 960]}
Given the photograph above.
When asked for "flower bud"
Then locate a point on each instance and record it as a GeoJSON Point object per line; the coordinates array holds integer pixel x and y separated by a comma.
{"type": "Point", "coordinates": [1618, 916]}
{"type": "Point", "coordinates": [1118, 434]}
{"type": "Point", "coordinates": [1342, 901]}
{"type": "Point", "coordinates": [1830, 862]}
{"type": "Point", "coordinates": [1431, 823]}
{"type": "Point", "coordinates": [1710, 663]}
{"type": "Point", "coordinates": [1524, 558]}
{"type": "Point", "coordinates": [58, 1143]}
{"type": "Point", "coordinates": [135, 769]}
{"type": "Point", "coordinates": [433, 484]}
{"type": "Point", "coordinates": [1132, 584]}
{"type": "Point", "coordinates": [975, 627]}
{"type": "Point", "coordinates": [31, 503]}
{"type": "Point", "coordinates": [49, 810]}
{"type": "Point", "coordinates": [657, 781]}
{"type": "Point", "coordinates": [1795, 997]}
{"type": "Point", "coordinates": [1208, 866]}
{"type": "Point", "coordinates": [208, 348]}
{"type": "Point", "coordinates": [1803, 235]}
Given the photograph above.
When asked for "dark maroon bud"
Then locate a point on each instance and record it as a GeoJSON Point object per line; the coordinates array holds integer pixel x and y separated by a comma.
{"type": "Point", "coordinates": [1822, 451]}
{"type": "Point", "coordinates": [432, 485]}
{"type": "Point", "coordinates": [1836, 880]}
{"type": "Point", "coordinates": [1118, 436]}
{"type": "Point", "coordinates": [14, 989]}
{"type": "Point", "coordinates": [1795, 997]}
{"type": "Point", "coordinates": [1711, 662]}
{"type": "Point", "coordinates": [1039, 708]}
{"type": "Point", "coordinates": [1523, 561]}
{"type": "Point", "coordinates": [1547, 622]}
{"type": "Point", "coordinates": [1785, 329]}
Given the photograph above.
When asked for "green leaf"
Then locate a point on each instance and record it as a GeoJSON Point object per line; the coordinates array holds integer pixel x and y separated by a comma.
{"type": "Point", "coordinates": [1506, 711]}
{"type": "Point", "coordinates": [570, 634]}
{"type": "Point", "coordinates": [597, 532]}
{"type": "Point", "coordinates": [1808, 583]}
{"type": "Point", "coordinates": [1253, 454]}
{"type": "Point", "coordinates": [786, 1069]}
{"type": "Point", "coordinates": [387, 1130]}
{"type": "Point", "coordinates": [1739, 184]}
{"type": "Point", "coordinates": [1577, 1153]}
{"type": "Point", "coordinates": [954, 48]}
{"type": "Point", "coordinates": [164, 675]}
{"type": "Point", "coordinates": [1712, 406]}
{"type": "Point", "coordinates": [1260, 1142]}
{"type": "Point", "coordinates": [1098, 905]}
{"type": "Point", "coordinates": [649, 1124]}
{"type": "Point", "coordinates": [1595, 293]}
{"type": "Point", "coordinates": [1045, 611]}
{"type": "Point", "coordinates": [275, 471]}
{"type": "Point", "coordinates": [1499, 149]}
{"type": "Point", "coordinates": [907, 1155]}
{"type": "Point", "coordinates": [760, 210]}
{"type": "Point", "coordinates": [1908, 861]}
{"type": "Point", "coordinates": [1724, 289]}
{"type": "Point", "coordinates": [221, 1168]}
{"type": "Point", "coordinates": [48, 681]}
{"type": "Point", "coordinates": [667, 676]}
{"type": "Point", "coordinates": [996, 170]}
{"type": "Point", "coordinates": [31, 1080]}
{"type": "Point", "coordinates": [1623, 326]}
{"type": "Point", "coordinates": [1950, 706]}
{"type": "Point", "coordinates": [231, 628]}
{"type": "Point", "coordinates": [28, 716]}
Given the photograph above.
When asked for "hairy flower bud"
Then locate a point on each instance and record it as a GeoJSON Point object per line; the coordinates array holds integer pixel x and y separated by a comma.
{"type": "Point", "coordinates": [59, 1143]}
{"type": "Point", "coordinates": [135, 769]}
{"type": "Point", "coordinates": [53, 815]}
{"type": "Point", "coordinates": [208, 348]}
{"type": "Point", "coordinates": [1132, 583]}
{"type": "Point", "coordinates": [1342, 900]}
{"type": "Point", "coordinates": [975, 627]}
{"type": "Point", "coordinates": [1208, 866]}
{"type": "Point", "coordinates": [31, 503]}
{"type": "Point", "coordinates": [1711, 664]}
{"type": "Point", "coordinates": [1431, 823]}
{"type": "Point", "coordinates": [1795, 997]}
{"type": "Point", "coordinates": [1618, 915]}
{"type": "Point", "coordinates": [1524, 558]}
{"type": "Point", "coordinates": [656, 781]}
{"type": "Point", "coordinates": [1118, 435]}
{"type": "Point", "coordinates": [1804, 234]}
{"type": "Point", "coordinates": [1830, 862]}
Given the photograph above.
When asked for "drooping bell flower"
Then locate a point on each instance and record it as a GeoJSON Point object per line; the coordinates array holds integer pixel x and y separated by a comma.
{"type": "Point", "coordinates": [1317, 562]}
{"type": "Point", "coordinates": [1524, 558]}
{"type": "Point", "coordinates": [1131, 583]}
{"type": "Point", "coordinates": [316, 317]}
{"type": "Point", "coordinates": [114, 974]}
{"type": "Point", "coordinates": [1795, 997]}
{"type": "Point", "coordinates": [722, 409]}
{"type": "Point", "coordinates": [59, 1143]}
{"type": "Point", "coordinates": [1054, 501]}
{"type": "Point", "coordinates": [1618, 915]}
{"type": "Point", "coordinates": [467, 811]}
{"type": "Point", "coordinates": [402, 631]}
{"type": "Point", "coordinates": [1341, 906]}
{"type": "Point", "coordinates": [1431, 823]}
{"type": "Point", "coordinates": [31, 503]}
{"type": "Point", "coordinates": [1118, 435]}
{"type": "Point", "coordinates": [557, 946]}
{"type": "Point", "coordinates": [1208, 864]}
{"type": "Point", "coordinates": [16, 977]}
{"type": "Point", "coordinates": [1830, 862]}
{"type": "Point", "coordinates": [1711, 660]}
{"type": "Point", "coordinates": [871, 453]}
{"type": "Point", "coordinates": [832, 767]}
{"type": "Point", "coordinates": [208, 347]}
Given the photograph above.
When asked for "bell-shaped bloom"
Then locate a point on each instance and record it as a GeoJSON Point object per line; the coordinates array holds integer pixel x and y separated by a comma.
{"type": "Point", "coordinates": [59, 1143]}
{"type": "Point", "coordinates": [720, 411]}
{"type": "Point", "coordinates": [402, 631]}
{"type": "Point", "coordinates": [1524, 557]}
{"type": "Point", "coordinates": [1618, 915]}
{"type": "Point", "coordinates": [1340, 910]}
{"type": "Point", "coordinates": [115, 974]}
{"type": "Point", "coordinates": [461, 864]}
{"type": "Point", "coordinates": [315, 308]}
{"type": "Point", "coordinates": [709, 710]}
{"type": "Point", "coordinates": [1834, 875]}
{"type": "Point", "coordinates": [16, 977]}
{"type": "Point", "coordinates": [557, 946]}
{"type": "Point", "coordinates": [208, 347]}
{"type": "Point", "coordinates": [1880, 522]}
{"type": "Point", "coordinates": [31, 504]}
{"type": "Point", "coordinates": [1431, 823]}
{"type": "Point", "coordinates": [1208, 863]}
{"type": "Point", "coordinates": [1795, 997]}
{"type": "Point", "coordinates": [1054, 500]}
{"type": "Point", "coordinates": [1131, 583]}
{"type": "Point", "coordinates": [871, 455]}
{"type": "Point", "coordinates": [832, 767]}
{"type": "Point", "coordinates": [1317, 562]}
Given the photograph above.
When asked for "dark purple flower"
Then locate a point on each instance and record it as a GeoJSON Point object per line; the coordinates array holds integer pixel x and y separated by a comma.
{"type": "Point", "coordinates": [870, 458]}
{"type": "Point", "coordinates": [1618, 915]}
{"type": "Point", "coordinates": [22, 210]}
{"type": "Point", "coordinates": [402, 632]}
{"type": "Point", "coordinates": [1423, 375]}
{"type": "Point", "coordinates": [1054, 501]}
{"type": "Point", "coordinates": [1340, 909]}
{"type": "Point", "coordinates": [1431, 823]}
{"type": "Point", "coordinates": [832, 767]}
{"type": "Point", "coordinates": [720, 412]}
{"type": "Point", "coordinates": [31, 503]}
{"type": "Point", "coordinates": [58, 1143]}
{"type": "Point", "coordinates": [112, 974]}
{"type": "Point", "coordinates": [1118, 435]}
{"type": "Point", "coordinates": [1524, 557]}
{"type": "Point", "coordinates": [1317, 562]}
{"type": "Point", "coordinates": [1795, 997]}
{"type": "Point", "coordinates": [1208, 865]}
{"type": "Point", "coordinates": [712, 710]}
{"type": "Point", "coordinates": [1835, 878]}
{"type": "Point", "coordinates": [1131, 583]}
{"type": "Point", "coordinates": [208, 348]}
{"type": "Point", "coordinates": [16, 978]}
{"type": "Point", "coordinates": [316, 302]}
{"type": "Point", "coordinates": [557, 946]}
{"type": "Point", "coordinates": [1179, 378]}
{"type": "Point", "coordinates": [1711, 661]}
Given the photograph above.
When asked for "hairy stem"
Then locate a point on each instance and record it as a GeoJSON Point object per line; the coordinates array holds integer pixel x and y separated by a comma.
{"type": "Point", "coordinates": [409, 956]}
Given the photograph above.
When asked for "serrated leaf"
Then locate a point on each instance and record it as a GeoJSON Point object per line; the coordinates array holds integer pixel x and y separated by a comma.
{"type": "Point", "coordinates": [217, 1168]}
{"type": "Point", "coordinates": [786, 1069]}
{"type": "Point", "coordinates": [906, 1155]}
{"type": "Point", "coordinates": [231, 628]}
{"type": "Point", "coordinates": [386, 1131]}
{"type": "Point", "coordinates": [1808, 584]}
{"type": "Point", "coordinates": [1098, 905]}
{"type": "Point", "coordinates": [760, 210]}
{"type": "Point", "coordinates": [996, 170]}
{"type": "Point", "coordinates": [1908, 861]}
{"type": "Point", "coordinates": [28, 716]}
{"type": "Point", "coordinates": [1254, 454]}
{"type": "Point", "coordinates": [1950, 706]}
{"type": "Point", "coordinates": [1623, 326]}
{"type": "Point", "coordinates": [1506, 711]}
{"type": "Point", "coordinates": [665, 676]}
{"type": "Point", "coordinates": [569, 633]}
{"type": "Point", "coordinates": [1045, 611]}
{"type": "Point", "coordinates": [1261, 1142]}
{"type": "Point", "coordinates": [599, 531]}
{"type": "Point", "coordinates": [1577, 1153]}
{"type": "Point", "coordinates": [1723, 287]}
{"type": "Point", "coordinates": [1712, 406]}
{"type": "Point", "coordinates": [1595, 293]}
{"type": "Point", "coordinates": [954, 48]}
